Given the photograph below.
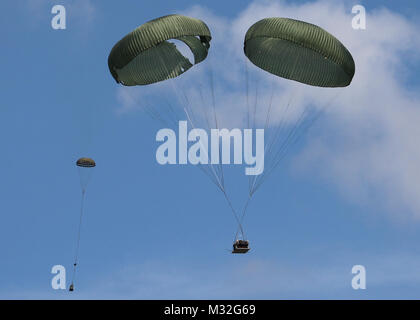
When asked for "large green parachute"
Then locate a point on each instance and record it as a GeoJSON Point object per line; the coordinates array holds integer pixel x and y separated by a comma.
{"type": "Point", "coordinates": [144, 56]}
{"type": "Point", "coordinates": [300, 51]}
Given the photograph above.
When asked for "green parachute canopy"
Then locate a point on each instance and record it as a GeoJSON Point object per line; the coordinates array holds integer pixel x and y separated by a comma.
{"type": "Point", "coordinates": [86, 163]}
{"type": "Point", "coordinates": [300, 51]}
{"type": "Point", "coordinates": [144, 56]}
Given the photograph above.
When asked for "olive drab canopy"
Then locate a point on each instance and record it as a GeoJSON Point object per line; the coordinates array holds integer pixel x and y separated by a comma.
{"type": "Point", "coordinates": [86, 163]}
{"type": "Point", "coordinates": [85, 167]}
{"type": "Point", "coordinates": [144, 56]}
{"type": "Point", "coordinates": [300, 51]}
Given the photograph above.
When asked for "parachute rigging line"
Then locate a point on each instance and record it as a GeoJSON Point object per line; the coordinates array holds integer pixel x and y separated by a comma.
{"type": "Point", "coordinates": [76, 256]}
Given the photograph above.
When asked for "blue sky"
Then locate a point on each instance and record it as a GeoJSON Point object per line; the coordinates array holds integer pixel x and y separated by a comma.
{"type": "Point", "coordinates": [346, 195]}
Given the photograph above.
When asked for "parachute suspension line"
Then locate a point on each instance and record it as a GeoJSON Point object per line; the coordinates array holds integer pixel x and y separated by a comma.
{"type": "Point", "coordinates": [254, 178]}
{"type": "Point", "coordinates": [219, 178]}
{"type": "Point", "coordinates": [235, 215]}
{"type": "Point", "coordinates": [267, 122]}
{"type": "Point", "coordinates": [76, 256]}
{"type": "Point", "coordinates": [191, 118]}
{"type": "Point", "coordinates": [247, 89]}
{"type": "Point", "coordinates": [280, 127]}
{"type": "Point", "coordinates": [169, 111]}
{"type": "Point", "coordinates": [275, 136]}
{"type": "Point", "coordinates": [289, 137]}
{"type": "Point", "coordinates": [210, 175]}
{"type": "Point", "coordinates": [282, 150]}
{"type": "Point", "coordinates": [177, 90]}
{"type": "Point", "coordinates": [150, 113]}
{"type": "Point", "coordinates": [220, 164]}
{"type": "Point", "coordinates": [305, 126]}
{"type": "Point", "coordinates": [255, 105]}
{"type": "Point", "coordinates": [173, 116]}
{"type": "Point", "coordinates": [248, 110]}
{"type": "Point", "coordinates": [213, 99]}
{"type": "Point", "coordinates": [216, 177]}
{"type": "Point", "coordinates": [220, 182]}
{"type": "Point", "coordinates": [204, 108]}
{"type": "Point", "coordinates": [281, 153]}
{"type": "Point", "coordinates": [206, 116]}
{"type": "Point", "coordinates": [253, 122]}
{"type": "Point", "coordinates": [243, 215]}
{"type": "Point", "coordinates": [213, 106]}
{"type": "Point", "coordinates": [308, 124]}
{"type": "Point", "coordinates": [154, 114]}
{"type": "Point", "coordinates": [267, 118]}
{"type": "Point", "coordinates": [186, 106]}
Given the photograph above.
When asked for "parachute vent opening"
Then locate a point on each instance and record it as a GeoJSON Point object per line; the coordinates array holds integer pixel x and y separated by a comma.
{"type": "Point", "coordinates": [205, 42]}
{"type": "Point", "coordinates": [183, 48]}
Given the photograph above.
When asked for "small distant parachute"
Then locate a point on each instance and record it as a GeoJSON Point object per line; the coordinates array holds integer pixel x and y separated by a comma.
{"type": "Point", "coordinates": [144, 56]}
{"type": "Point", "coordinates": [299, 51]}
{"type": "Point", "coordinates": [85, 167]}
{"type": "Point", "coordinates": [86, 163]}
